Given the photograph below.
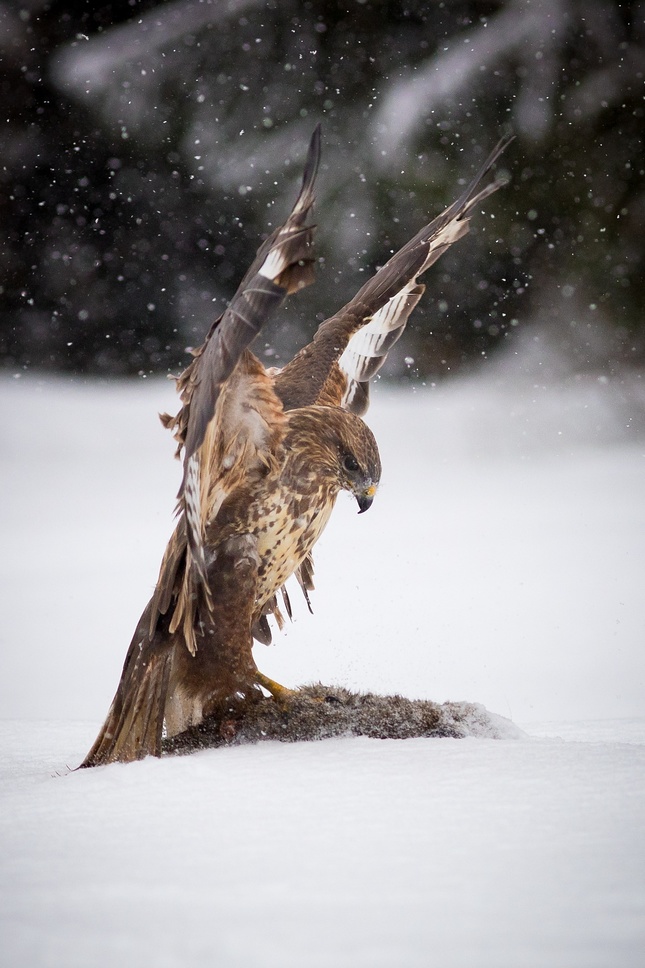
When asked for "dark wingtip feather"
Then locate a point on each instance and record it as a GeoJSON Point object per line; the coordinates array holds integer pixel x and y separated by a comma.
{"type": "Point", "coordinates": [306, 198]}
{"type": "Point", "coordinates": [470, 198]}
{"type": "Point", "coordinates": [313, 158]}
{"type": "Point", "coordinates": [255, 301]}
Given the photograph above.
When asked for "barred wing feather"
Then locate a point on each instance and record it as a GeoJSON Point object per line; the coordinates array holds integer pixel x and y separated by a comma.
{"type": "Point", "coordinates": [350, 347]}
{"type": "Point", "coordinates": [283, 265]}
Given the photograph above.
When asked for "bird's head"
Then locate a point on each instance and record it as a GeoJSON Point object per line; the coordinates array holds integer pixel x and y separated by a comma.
{"type": "Point", "coordinates": [336, 444]}
{"type": "Point", "coordinates": [360, 466]}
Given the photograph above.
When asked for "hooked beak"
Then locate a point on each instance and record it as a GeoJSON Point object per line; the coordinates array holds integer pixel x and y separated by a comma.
{"type": "Point", "coordinates": [364, 498]}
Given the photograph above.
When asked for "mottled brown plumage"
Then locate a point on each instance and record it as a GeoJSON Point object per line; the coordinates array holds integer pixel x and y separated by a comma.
{"type": "Point", "coordinates": [265, 455]}
{"type": "Point", "coordinates": [263, 531]}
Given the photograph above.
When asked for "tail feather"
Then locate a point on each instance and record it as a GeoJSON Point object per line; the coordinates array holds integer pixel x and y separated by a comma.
{"type": "Point", "coordinates": [134, 725]}
{"type": "Point", "coordinates": [164, 683]}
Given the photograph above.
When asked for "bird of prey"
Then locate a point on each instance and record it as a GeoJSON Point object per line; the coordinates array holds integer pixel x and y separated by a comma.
{"type": "Point", "coordinates": [265, 453]}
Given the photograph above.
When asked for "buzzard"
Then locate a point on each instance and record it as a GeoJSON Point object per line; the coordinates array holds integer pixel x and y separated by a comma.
{"type": "Point", "coordinates": [265, 453]}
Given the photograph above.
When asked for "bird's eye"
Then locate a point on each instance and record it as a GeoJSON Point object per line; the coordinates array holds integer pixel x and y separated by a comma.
{"type": "Point", "coordinates": [350, 463]}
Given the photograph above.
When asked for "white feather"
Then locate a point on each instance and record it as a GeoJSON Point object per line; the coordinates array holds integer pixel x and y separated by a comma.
{"type": "Point", "coordinates": [274, 264]}
{"type": "Point", "coordinates": [371, 340]}
{"type": "Point", "coordinates": [192, 498]}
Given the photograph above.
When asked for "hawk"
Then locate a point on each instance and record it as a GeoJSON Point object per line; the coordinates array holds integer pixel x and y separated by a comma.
{"type": "Point", "coordinates": [265, 453]}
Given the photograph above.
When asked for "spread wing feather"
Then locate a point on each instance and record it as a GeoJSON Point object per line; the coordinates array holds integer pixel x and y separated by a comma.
{"type": "Point", "coordinates": [350, 347]}
{"type": "Point", "coordinates": [283, 265]}
{"type": "Point", "coordinates": [240, 446]}
{"type": "Point", "coordinates": [367, 349]}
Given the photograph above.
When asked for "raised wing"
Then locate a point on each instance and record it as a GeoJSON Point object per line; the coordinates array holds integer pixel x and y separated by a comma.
{"type": "Point", "coordinates": [283, 265]}
{"type": "Point", "coordinates": [350, 347]}
{"type": "Point", "coordinates": [241, 444]}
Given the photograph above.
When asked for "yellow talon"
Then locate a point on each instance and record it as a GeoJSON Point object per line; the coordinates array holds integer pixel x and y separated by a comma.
{"type": "Point", "coordinates": [280, 693]}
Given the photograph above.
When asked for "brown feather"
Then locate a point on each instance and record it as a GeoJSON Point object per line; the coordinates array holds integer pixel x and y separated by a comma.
{"type": "Point", "coordinates": [263, 532]}
{"type": "Point", "coordinates": [314, 374]}
{"type": "Point", "coordinates": [283, 265]}
{"type": "Point", "coordinates": [265, 456]}
{"type": "Point", "coordinates": [134, 724]}
{"type": "Point", "coordinates": [241, 446]}
{"type": "Point", "coordinates": [256, 298]}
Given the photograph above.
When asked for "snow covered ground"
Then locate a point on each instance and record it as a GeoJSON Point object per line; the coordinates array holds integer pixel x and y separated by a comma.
{"type": "Point", "coordinates": [501, 563]}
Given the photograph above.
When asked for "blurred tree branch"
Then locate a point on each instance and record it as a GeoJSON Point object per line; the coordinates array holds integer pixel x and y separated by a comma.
{"type": "Point", "coordinates": [144, 156]}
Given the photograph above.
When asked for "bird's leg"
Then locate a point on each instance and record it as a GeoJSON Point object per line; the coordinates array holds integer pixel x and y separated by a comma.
{"type": "Point", "coordinates": [280, 693]}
